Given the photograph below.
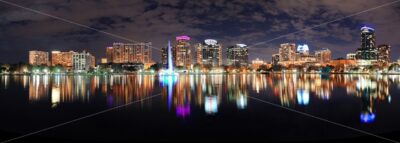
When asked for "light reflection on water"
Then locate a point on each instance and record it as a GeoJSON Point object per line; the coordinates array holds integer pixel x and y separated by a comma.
{"type": "Point", "coordinates": [184, 92]}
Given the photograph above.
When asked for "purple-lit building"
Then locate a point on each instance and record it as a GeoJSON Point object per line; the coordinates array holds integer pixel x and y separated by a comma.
{"type": "Point", "coordinates": [181, 52]}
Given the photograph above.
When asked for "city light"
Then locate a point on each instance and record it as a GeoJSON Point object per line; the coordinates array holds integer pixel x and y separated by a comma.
{"type": "Point", "coordinates": [183, 37]}
{"type": "Point", "coordinates": [367, 117]}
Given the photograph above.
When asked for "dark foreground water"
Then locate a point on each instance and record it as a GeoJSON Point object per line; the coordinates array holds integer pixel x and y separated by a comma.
{"type": "Point", "coordinates": [200, 107]}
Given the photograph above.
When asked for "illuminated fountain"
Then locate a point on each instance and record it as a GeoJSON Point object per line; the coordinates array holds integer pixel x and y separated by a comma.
{"type": "Point", "coordinates": [170, 69]}
{"type": "Point", "coordinates": [168, 77]}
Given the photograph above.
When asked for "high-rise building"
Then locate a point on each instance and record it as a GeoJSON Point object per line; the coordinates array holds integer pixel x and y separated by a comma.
{"type": "Point", "coordinates": [275, 59]}
{"type": "Point", "coordinates": [63, 59]}
{"type": "Point", "coordinates": [181, 52]}
{"type": "Point", "coordinates": [287, 52]}
{"type": "Point", "coordinates": [142, 52]}
{"type": "Point", "coordinates": [323, 56]}
{"type": "Point", "coordinates": [38, 58]}
{"type": "Point", "coordinates": [384, 53]}
{"type": "Point", "coordinates": [120, 53]}
{"type": "Point", "coordinates": [139, 52]}
{"type": "Point", "coordinates": [209, 53]}
{"type": "Point", "coordinates": [82, 62]}
{"type": "Point", "coordinates": [367, 51]}
{"type": "Point", "coordinates": [238, 55]}
{"type": "Point", "coordinates": [110, 54]}
{"type": "Point", "coordinates": [164, 56]}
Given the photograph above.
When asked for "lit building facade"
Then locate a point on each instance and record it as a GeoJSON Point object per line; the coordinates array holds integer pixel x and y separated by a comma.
{"type": "Point", "coordinates": [181, 52]}
{"type": "Point", "coordinates": [275, 59]}
{"type": "Point", "coordinates": [209, 53]}
{"type": "Point", "coordinates": [142, 52]}
{"type": "Point", "coordinates": [287, 53]}
{"type": "Point", "coordinates": [164, 56]}
{"type": "Point", "coordinates": [323, 56]}
{"type": "Point", "coordinates": [83, 62]}
{"type": "Point", "coordinates": [238, 55]}
{"type": "Point", "coordinates": [63, 59]}
{"type": "Point", "coordinates": [255, 64]}
{"type": "Point", "coordinates": [120, 53]}
{"type": "Point", "coordinates": [104, 61]}
{"type": "Point", "coordinates": [368, 50]}
{"type": "Point", "coordinates": [351, 56]}
{"type": "Point", "coordinates": [38, 58]}
{"type": "Point", "coordinates": [139, 52]}
{"type": "Point", "coordinates": [303, 49]}
{"type": "Point", "coordinates": [384, 53]}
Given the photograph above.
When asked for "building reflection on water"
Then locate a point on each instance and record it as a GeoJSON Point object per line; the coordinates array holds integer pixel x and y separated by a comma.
{"type": "Point", "coordinates": [208, 91]}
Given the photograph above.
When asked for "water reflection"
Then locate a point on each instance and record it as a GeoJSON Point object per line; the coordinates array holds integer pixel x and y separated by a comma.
{"type": "Point", "coordinates": [207, 92]}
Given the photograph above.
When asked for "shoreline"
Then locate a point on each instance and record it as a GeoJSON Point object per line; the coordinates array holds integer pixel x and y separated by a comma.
{"type": "Point", "coordinates": [224, 73]}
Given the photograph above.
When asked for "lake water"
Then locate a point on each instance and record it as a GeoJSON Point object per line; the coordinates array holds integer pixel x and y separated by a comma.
{"type": "Point", "coordinates": [224, 106]}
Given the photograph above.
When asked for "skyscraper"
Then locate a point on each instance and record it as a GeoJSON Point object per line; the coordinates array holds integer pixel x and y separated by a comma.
{"type": "Point", "coordinates": [287, 52]}
{"type": "Point", "coordinates": [120, 53]}
{"type": "Point", "coordinates": [181, 52]}
{"type": "Point", "coordinates": [82, 62]}
{"type": "Point", "coordinates": [38, 58]}
{"type": "Point", "coordinates": [238, 55]}
{"type": "Point", "coordinates": [323, 56]}
{"type": "Point", "coordinates": [164, 56]}
{"type": "Point", "coordinates": [367, 51]}
{"type": "Point", "coordinates": [63, 59]}
{"type": "Point", "coordinates": [384, 53]}
{"type": "Point", "coordinates": [139, 52]}
{"type": "Point", "coordinates": [142, 52]}
{"type": "Point", "coordinates": [275, 59]}
{"type": "Point", "coordinates": [209, 53]}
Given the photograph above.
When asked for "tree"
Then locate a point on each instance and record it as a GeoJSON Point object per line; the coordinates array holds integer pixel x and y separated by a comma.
{"type": "Point", "coordinates": [394, 67]}
{"type": "Point", "coordinates": [263, 68]}
{"type": "Point", "coordinates": [156, 66]}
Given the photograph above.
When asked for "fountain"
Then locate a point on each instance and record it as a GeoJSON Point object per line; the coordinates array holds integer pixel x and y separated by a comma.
{"type": "Point", "coordinates": [170, 69]}
{"type": "Point", "coordinates": [168, 77]}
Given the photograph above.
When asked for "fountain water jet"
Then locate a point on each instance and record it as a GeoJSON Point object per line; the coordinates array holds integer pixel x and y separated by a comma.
{"type": "Point", "coordinates": [170, 69]}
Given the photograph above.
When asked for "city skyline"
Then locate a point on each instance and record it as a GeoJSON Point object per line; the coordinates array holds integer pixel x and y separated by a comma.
{"type": "Point", "coordinates": [207, 56]}
{"type": "Point", "coordinates": [267, 21]}
{"type": "Point", "coordinates": [205, 70]}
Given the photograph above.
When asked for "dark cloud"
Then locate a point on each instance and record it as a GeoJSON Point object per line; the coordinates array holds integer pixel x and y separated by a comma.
{"type": "Point", "coordinates": [229, 21]}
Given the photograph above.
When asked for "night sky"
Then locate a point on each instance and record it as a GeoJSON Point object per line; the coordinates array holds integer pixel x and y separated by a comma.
{"type": "Point", "coordinates": [228, 21]}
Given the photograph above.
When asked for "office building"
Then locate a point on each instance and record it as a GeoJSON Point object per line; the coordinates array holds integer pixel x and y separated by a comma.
{"type": "Point", "coordinates": [351, 56]}
{"type": "Point", "coordinates": [323, 56]}
{"type": "Point", "coordinates": [139, 52]}
{"type": "Point", "coordinates": [238, 55]}
{"type": "Point", "coordinates": [384, 53]}
{"type": "Point", "coordinates": [367, 50]}
{"type": "Point", "coordinates": [38, 58]}
{"type": "Point", "coordinates": [83, 62]}
{"type": "Point", "coordinates": [181, 52]}
{"type": "Point", "coordinates": [209, 53]}
{"type": "Point", "coordinates": [63, 59]}
{"type": "Point", "coordinates": [287, 53]}
{"type": "Point", "coordinates": [275, 59]}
